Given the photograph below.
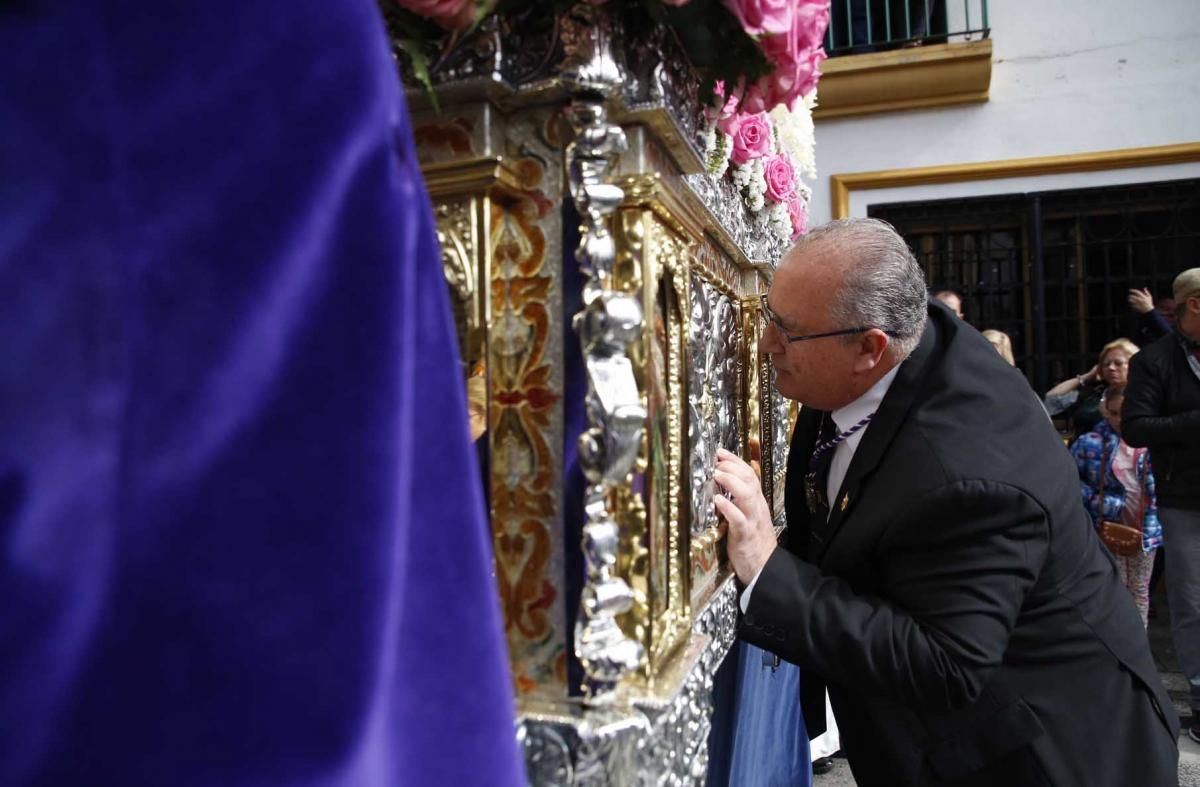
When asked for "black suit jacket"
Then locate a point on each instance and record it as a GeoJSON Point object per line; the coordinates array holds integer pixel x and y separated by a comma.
{"type": "Point", "coordinates": [967, 621]}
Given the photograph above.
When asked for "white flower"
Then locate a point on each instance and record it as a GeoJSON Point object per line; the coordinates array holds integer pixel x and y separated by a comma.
{"type": "Point", "coordinates": [796, 134]}
{"type": "Point", "coordinates": [792, 134]}
{"type": "Point", "coordinates": [743, 174]}
{"type": "Point", "coordinates": [756, 184]}
{"type": "Point", "coordinates": [780, 221]}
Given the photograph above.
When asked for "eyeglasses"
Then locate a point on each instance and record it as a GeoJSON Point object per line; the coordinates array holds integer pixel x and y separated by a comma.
{"type": "Point", "coordinates": [774, 318]}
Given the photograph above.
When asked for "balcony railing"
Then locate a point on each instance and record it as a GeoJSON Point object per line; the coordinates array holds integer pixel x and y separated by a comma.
{"type": "Point", "coordinates": [861, 26]}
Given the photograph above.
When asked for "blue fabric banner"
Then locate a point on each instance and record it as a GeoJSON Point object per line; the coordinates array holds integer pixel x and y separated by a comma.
{"type": "Point", "coordinates": [242, 538]}
{"type": "Point", "coordinates": [758, 737]}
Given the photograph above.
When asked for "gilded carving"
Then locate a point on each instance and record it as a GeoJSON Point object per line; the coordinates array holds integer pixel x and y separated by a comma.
{"type": "Point", "coordinates": [669, 255]}
{"type": "Point", "coordinates": [456, 233]}
{"type": "Point", "coordinates": [668, 333]}
{"type": "Point", "coordinates": [444, 139]}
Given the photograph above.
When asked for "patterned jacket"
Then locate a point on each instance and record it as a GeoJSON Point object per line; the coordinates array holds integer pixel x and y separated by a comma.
{"type": "Point", "coordinates": [1095, 450]}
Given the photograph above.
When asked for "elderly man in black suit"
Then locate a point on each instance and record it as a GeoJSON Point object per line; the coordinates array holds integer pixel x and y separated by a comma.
{"type": "Point", "coordinates": [940, 576]}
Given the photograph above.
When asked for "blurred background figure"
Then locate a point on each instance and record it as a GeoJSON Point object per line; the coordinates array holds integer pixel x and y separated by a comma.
{"type": "Point", "coordinates": [1153, 320]}
{"type": "Point", "coordinates": [243, 537]}
{"type": "Point", "coordinates": [1118, 488]}
{"type": "Point", "coordinates": [1162, 412]}
{"type": "Point", "coordinates": [949, 296]}
{"type": "Point", "coordinates": [1002, 343]}
{"type": "Point", "coordinates": [477, 404]}
{"type": "Point", "coordinates": [1078, 398]}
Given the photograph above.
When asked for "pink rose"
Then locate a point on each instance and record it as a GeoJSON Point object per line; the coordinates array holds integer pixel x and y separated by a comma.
{"type": "Point", "coordinates": [751, 136]}
{"type": "Point", "coordinates": [780, 177]}
{"type": "Point", "coordinates": [797, 55]}
{"type": "Point", "coordinates": [795, 76]}
{"type": "Point", "coordinates": [450, 14]}
{"type": "Point", "coordinates": [810, 22]}
{"type": "Point", "coordinates": [798, 212]}
{"type": "Point", "coordinates": [763, 16]}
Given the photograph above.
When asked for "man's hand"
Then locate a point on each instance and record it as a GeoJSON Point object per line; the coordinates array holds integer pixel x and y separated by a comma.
{"type": "Point", "coordinates": [751, 535]}
{"type": "Point", "coordinates": [1141, 301]}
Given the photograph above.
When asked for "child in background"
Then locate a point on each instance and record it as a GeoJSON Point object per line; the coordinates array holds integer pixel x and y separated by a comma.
{"type": "Point", "coordinates": [1117, 484]}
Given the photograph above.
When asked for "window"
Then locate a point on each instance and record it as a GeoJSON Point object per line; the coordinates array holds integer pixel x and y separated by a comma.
{"type": "Point", "coordinates": [1053, 269]}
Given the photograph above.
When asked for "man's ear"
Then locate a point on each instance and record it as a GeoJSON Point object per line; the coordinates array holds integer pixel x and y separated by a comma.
{"type": "Point", "coordinates": [871, 346]}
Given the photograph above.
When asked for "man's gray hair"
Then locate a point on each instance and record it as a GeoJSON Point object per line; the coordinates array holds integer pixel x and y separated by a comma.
{"type": "Point", "coordinates": [883, 286]}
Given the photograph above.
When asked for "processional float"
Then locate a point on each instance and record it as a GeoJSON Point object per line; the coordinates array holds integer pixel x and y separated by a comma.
{"type": "Point", "coordinates": [606, 275]}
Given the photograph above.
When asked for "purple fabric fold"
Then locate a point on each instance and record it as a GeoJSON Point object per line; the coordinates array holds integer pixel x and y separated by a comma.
{"type": "Point", "coordinates": [242, 537]}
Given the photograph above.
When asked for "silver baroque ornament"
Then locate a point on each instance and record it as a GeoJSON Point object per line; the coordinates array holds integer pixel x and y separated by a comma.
{"type": "Point", "coordinates": [608, 323]}
{"type": "Point", "coordinates": [676, 752]}
{"type": "Point", "coordinates": [748, 231]}
{"type": "Point", "coordinates": [639, 741]}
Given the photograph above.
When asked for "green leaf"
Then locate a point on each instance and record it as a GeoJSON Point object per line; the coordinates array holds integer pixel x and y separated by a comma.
{"type": "Point", "coordinates": [420, 66]}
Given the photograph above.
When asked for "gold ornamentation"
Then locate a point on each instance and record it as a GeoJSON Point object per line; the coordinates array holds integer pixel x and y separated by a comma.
{"type": "Point", "coordinates": [666, 294]}
{"type": "Point", "coordinates": [504, 290]}
{"type": "Point", "coordinates": [497, 163]}
{"type": "Point", "coordinates": [652, 259]}
{"type": "Point", "coordinates": [752, 421]}
{"type": "Point", "coordinates": [718, 268]}
{"type": "Point", "coordinates": [456, 234]}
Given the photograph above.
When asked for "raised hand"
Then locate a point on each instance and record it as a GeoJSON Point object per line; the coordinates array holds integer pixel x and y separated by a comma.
{"type": "Point", "coordinates": [1141, 301]}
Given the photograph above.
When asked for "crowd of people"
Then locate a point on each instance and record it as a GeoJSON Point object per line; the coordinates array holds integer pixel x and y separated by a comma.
{"type": "Point", "coordinates": [1117, 471]}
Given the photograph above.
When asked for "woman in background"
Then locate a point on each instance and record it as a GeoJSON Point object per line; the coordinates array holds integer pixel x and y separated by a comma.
{"type": "Point", "coordinates": [1002, 343]}
{"type": "Point", "coordinates": [1078, 398]}
{"type": "Point", "coordinates": [1118, 485]}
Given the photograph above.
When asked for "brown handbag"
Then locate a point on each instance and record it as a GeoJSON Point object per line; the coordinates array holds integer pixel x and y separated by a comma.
{"type": "Point", "coordinates": [1121, 539]}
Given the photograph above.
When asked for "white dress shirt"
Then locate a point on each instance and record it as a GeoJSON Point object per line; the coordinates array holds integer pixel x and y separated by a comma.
{"type": "Point", "coordinates": [843, 418]}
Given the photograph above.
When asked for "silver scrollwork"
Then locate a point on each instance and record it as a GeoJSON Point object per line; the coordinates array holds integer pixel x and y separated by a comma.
{"type": "Point", "coordinates": [609, 322]}
{"type": "Point", "coordinates": [655, 742]}
{"type": "Point", "coordinates": [676, 751]}
{"type": "Point", "coordinates": [713, 382]}
{"type": "Point", "coordinates": [748, 231]}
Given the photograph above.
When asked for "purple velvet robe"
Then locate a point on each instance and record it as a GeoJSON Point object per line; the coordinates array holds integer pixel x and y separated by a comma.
{"type": "Point", "coordinates": [242, 539]}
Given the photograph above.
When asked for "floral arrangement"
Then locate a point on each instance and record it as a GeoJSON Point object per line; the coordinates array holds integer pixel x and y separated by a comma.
{"type": "Point", "coordinates": [765, 154]}
{"type": "Point", "coordinates": [759, 58]}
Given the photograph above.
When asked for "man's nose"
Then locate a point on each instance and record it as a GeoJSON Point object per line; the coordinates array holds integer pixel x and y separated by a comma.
{"type": "Point", "coordinates": [768, 341]}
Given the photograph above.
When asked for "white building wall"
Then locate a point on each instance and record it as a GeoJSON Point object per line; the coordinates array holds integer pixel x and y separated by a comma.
{"type": "Point", "coordinates": [1068, 76]}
